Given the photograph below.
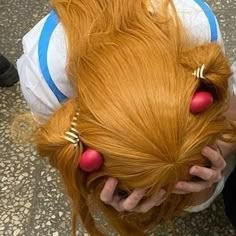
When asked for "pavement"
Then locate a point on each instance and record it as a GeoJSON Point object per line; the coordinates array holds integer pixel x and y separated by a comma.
{"type": "Point", "coordinates": [32, 200]}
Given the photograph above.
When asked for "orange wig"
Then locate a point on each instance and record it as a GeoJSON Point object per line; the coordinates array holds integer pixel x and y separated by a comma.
{"type": "Point", "coordinates": [133, 73]}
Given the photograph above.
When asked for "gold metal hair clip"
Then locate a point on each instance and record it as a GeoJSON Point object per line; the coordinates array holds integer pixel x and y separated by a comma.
{"type": "Point", "coordinates": [74, 130]}
{"type": "Point", "coordinates": [199, 72]}
{"type": "Point", "coordinates": [73, 124]}
{"type": "Point", "coordinates": [72, 135]}
{"type": "Point", "coordinates": [72, 140]}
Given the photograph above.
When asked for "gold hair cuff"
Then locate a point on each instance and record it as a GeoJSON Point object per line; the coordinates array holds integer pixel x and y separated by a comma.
{"type": "Point", "coordinates": [72, 135]}
{"type": "Point", "coordinates": [199, 72]}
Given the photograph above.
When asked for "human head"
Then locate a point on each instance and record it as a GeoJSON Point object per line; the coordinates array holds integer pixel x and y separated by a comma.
{"type": "Point", "coordinates": [134, 78]}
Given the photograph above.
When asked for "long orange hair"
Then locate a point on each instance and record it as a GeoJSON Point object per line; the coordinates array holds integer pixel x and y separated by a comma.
{"type": "Point", "coordinates": [133, 73]}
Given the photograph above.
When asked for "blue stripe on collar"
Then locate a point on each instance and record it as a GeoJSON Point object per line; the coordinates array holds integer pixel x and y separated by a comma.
{"type": "Point", "coordinates": [48, 28]}
{"type": "Point", "coordinates": [211, 19]}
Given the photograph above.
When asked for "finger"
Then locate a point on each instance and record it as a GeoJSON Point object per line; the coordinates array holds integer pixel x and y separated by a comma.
{"type": "Point", "coordinates": [160, 198]}
{"type": "Point", "coordinates": [115, 203]}
{"type": "Point", "coordinates": [219, 150]}
{"type": "Point", "coordinates": [193, 187]}
{"type": "Point", "coordinates": [155, 200]}
{"type": "Point", "coordinates": [179, 188]}
{"type": "Point", "coordinates": [132, 200]}
{"type": "Point", "coordinates": [108, 190]}
{"type": "Point", "coordinates": [205, 173]}
{"type": "Point", "coordinates": [216, 159]}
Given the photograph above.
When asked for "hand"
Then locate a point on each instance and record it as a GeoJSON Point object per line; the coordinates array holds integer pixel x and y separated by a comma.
{"type": "Point", "coordinates": [209, 176]}
{"type": "Point", "coordinates": [131, 203]}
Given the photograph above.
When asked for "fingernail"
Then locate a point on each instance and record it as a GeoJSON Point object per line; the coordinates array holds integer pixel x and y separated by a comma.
{"type": "Point", "coordinates": [179, 185]}
{"type": "Point", "coordinates": [193, 170]}
{"type": "Point", "coordinates": [205, 150]}
{"type": "Point", "coordinates": [113, 181]}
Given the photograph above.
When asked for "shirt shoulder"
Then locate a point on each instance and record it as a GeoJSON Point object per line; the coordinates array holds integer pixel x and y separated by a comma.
{"type": "Point", "coordinates": [43, 63]}
{"type": "Point", "coordinates": [198, 19]}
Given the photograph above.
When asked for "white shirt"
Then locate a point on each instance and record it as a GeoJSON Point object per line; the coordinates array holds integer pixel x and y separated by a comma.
{"type": "Point", "coordinates": [199, 20]}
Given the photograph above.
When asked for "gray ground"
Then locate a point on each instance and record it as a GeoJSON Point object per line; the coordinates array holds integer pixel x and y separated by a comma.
{"type": "Point", "coordinates": [32, 201]}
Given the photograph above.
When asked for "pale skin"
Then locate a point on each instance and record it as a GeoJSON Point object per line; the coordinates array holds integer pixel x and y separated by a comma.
{"type": "Point", "coordinates": [203, 188]}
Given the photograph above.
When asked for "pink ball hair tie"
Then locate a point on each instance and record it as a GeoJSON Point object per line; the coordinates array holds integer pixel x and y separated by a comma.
{"type": "Point", "coordinates": [201, 101]}
{"type": "Point", "coordinates": [90, 160]}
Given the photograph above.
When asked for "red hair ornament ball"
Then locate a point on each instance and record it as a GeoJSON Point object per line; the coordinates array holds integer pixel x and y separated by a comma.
{"type": "Point", "coordinates": [201, 101]}
{"type": "Point", "coordinates": [90, 160]}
